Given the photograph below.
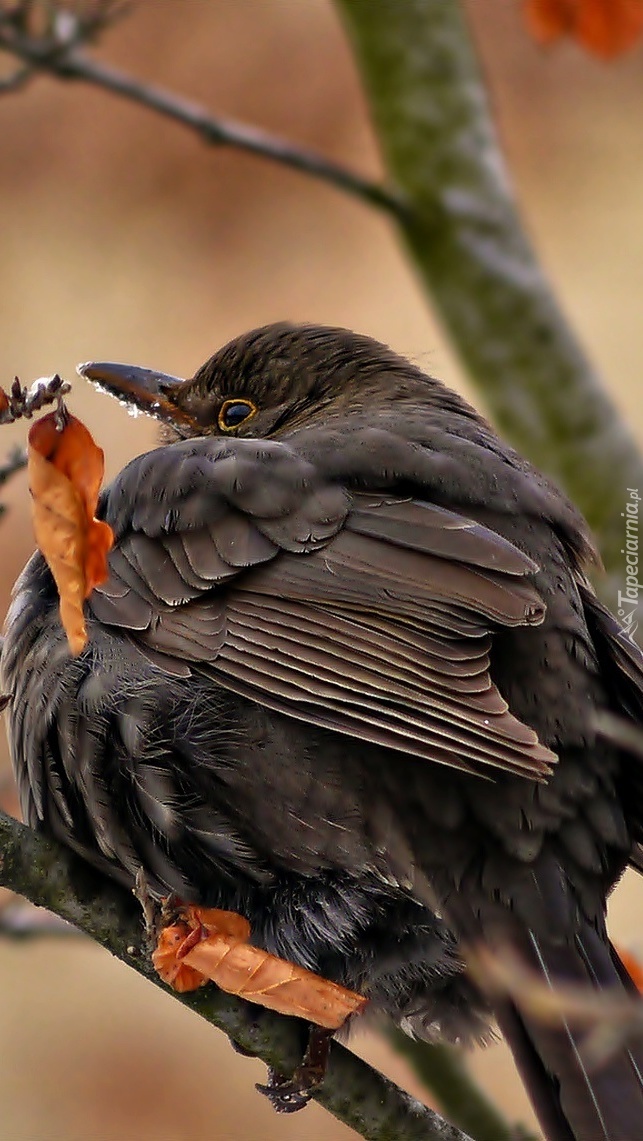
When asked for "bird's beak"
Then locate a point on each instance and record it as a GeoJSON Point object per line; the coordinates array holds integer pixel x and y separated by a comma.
{"type": "Point", "coordinates": [142, 388]}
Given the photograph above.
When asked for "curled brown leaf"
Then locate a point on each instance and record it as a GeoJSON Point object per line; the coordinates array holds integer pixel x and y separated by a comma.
{"type": "Point", "coordinates": [207, 944]}
{"type": "Point", "coordinates": [65, 474]}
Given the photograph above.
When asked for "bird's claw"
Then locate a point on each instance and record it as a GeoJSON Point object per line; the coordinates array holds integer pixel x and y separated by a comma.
{"type": "Point", "coordinates": [290, 1094]}
{"type": "Point", "coordinates": [152, 911]}
{"type": "Point", "coordinates": [285, 1095]}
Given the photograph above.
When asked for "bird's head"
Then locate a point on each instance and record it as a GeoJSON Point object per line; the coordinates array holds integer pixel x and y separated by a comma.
{"type": "Point", "coordinates": [272, 380]}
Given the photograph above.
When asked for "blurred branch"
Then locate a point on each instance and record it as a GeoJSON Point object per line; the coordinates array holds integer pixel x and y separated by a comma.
{"type": "Point", "coordinates": [55, 51]}
{"type": "Point", "coordinates": [431, 113]}
{"type": "Point", "coordinates": [16, 461]}
{"type": "Point", "coordinates": [52, 877]}
{"type": "Point", "coordinates": [20, 919]}
{"type": "Point", "coordinates": [18, 79]}
{"type": "Point", "coordinates": [440, 1068]}
{"type": "Point", "coordinates": [59, 30]}
{"type": "Point", "coordinates": [624, 734]}
{"type": "Point", "coordinates": [610, 1018]}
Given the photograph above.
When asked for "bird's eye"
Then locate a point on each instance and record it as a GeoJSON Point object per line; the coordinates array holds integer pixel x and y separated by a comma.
{"type": "Point", "coordinates": [233, 413]}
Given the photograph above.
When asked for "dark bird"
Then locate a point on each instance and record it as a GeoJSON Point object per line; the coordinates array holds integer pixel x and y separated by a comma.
{"type": "Point", "coordinates": [344, 678]}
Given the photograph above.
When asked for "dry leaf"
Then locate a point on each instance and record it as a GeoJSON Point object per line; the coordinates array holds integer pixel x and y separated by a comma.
{"type": "Point", "coordinates": [207, 944]}
{"type": "Point", "coordinates": [604, 27]}
{"type": "Point", "coordinates": [65, 473]}
{"type": "Point", "coordinates": [633, 966]}
{"type": "Point", "coordinates": [168, 963]}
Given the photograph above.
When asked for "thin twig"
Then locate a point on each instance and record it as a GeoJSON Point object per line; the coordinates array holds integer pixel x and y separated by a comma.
{"type": "Point", "coordinates": [61, 57]}
{"type": "Point", "coordinates": [21, 402]}
{"type": "Point", "coordinates": [17, 80]}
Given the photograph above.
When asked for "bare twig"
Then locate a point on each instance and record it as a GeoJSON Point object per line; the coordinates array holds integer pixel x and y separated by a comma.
{"type": "Point", "coordinates": [56, 51]}
{"type": "Point", "coordinates": [20, 402]}
{"type": "Point", "coordinates": [60, 30]}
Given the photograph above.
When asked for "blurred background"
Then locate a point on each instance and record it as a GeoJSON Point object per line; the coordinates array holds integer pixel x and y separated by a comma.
{"type": "Point", "coordinates": [121, 237]}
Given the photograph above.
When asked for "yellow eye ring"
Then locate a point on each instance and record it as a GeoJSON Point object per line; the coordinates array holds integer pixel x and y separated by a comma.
{"type": "Point", "coordinates": [235, 412]}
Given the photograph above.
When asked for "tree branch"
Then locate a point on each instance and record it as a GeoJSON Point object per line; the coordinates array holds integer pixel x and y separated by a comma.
{"type": "Point", "coordinates": [440, 1069]}
{"type": "Point", "coordinates": [49, 53]}
{"type": "Point", "coordinates": [16, 461]}
{"type": "Point", "coordinates": [462, 227]}
{"type": "Point", "coordinates": [51, 876]}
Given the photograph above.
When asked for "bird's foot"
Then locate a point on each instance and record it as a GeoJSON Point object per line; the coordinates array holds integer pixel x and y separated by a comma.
{"type": "Point", "coordinates": [155, 914]}
{"type": "Point", "coordinates": [290, 1094]}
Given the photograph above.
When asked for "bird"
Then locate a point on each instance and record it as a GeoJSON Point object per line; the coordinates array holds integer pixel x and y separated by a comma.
{"type": "Point", "coordinates": [346, 678]}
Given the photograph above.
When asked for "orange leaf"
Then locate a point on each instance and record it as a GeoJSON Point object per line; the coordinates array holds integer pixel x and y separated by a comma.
{"type": "Point", "coordinates": [207, 944]}
{"type": "Point", "coordinates": [65, 473]}
{"type": "Point", "coordinates": [634, 967]}
{"type": "Point", "coordinates": [604, 27]}
{"type": "Point", "coordinates": [170, 966]}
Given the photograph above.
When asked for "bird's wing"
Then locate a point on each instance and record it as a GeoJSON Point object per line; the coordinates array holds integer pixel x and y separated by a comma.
{"type": "Point", "coordinates": [364, 614]}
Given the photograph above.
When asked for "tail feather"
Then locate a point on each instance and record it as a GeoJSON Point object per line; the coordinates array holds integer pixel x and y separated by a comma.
{"type": "Point", "coordinates": [574, 1100]}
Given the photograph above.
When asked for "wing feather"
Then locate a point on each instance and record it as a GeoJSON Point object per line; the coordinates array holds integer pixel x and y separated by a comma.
{"type": "Point", "coordinates": [369, 615]}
